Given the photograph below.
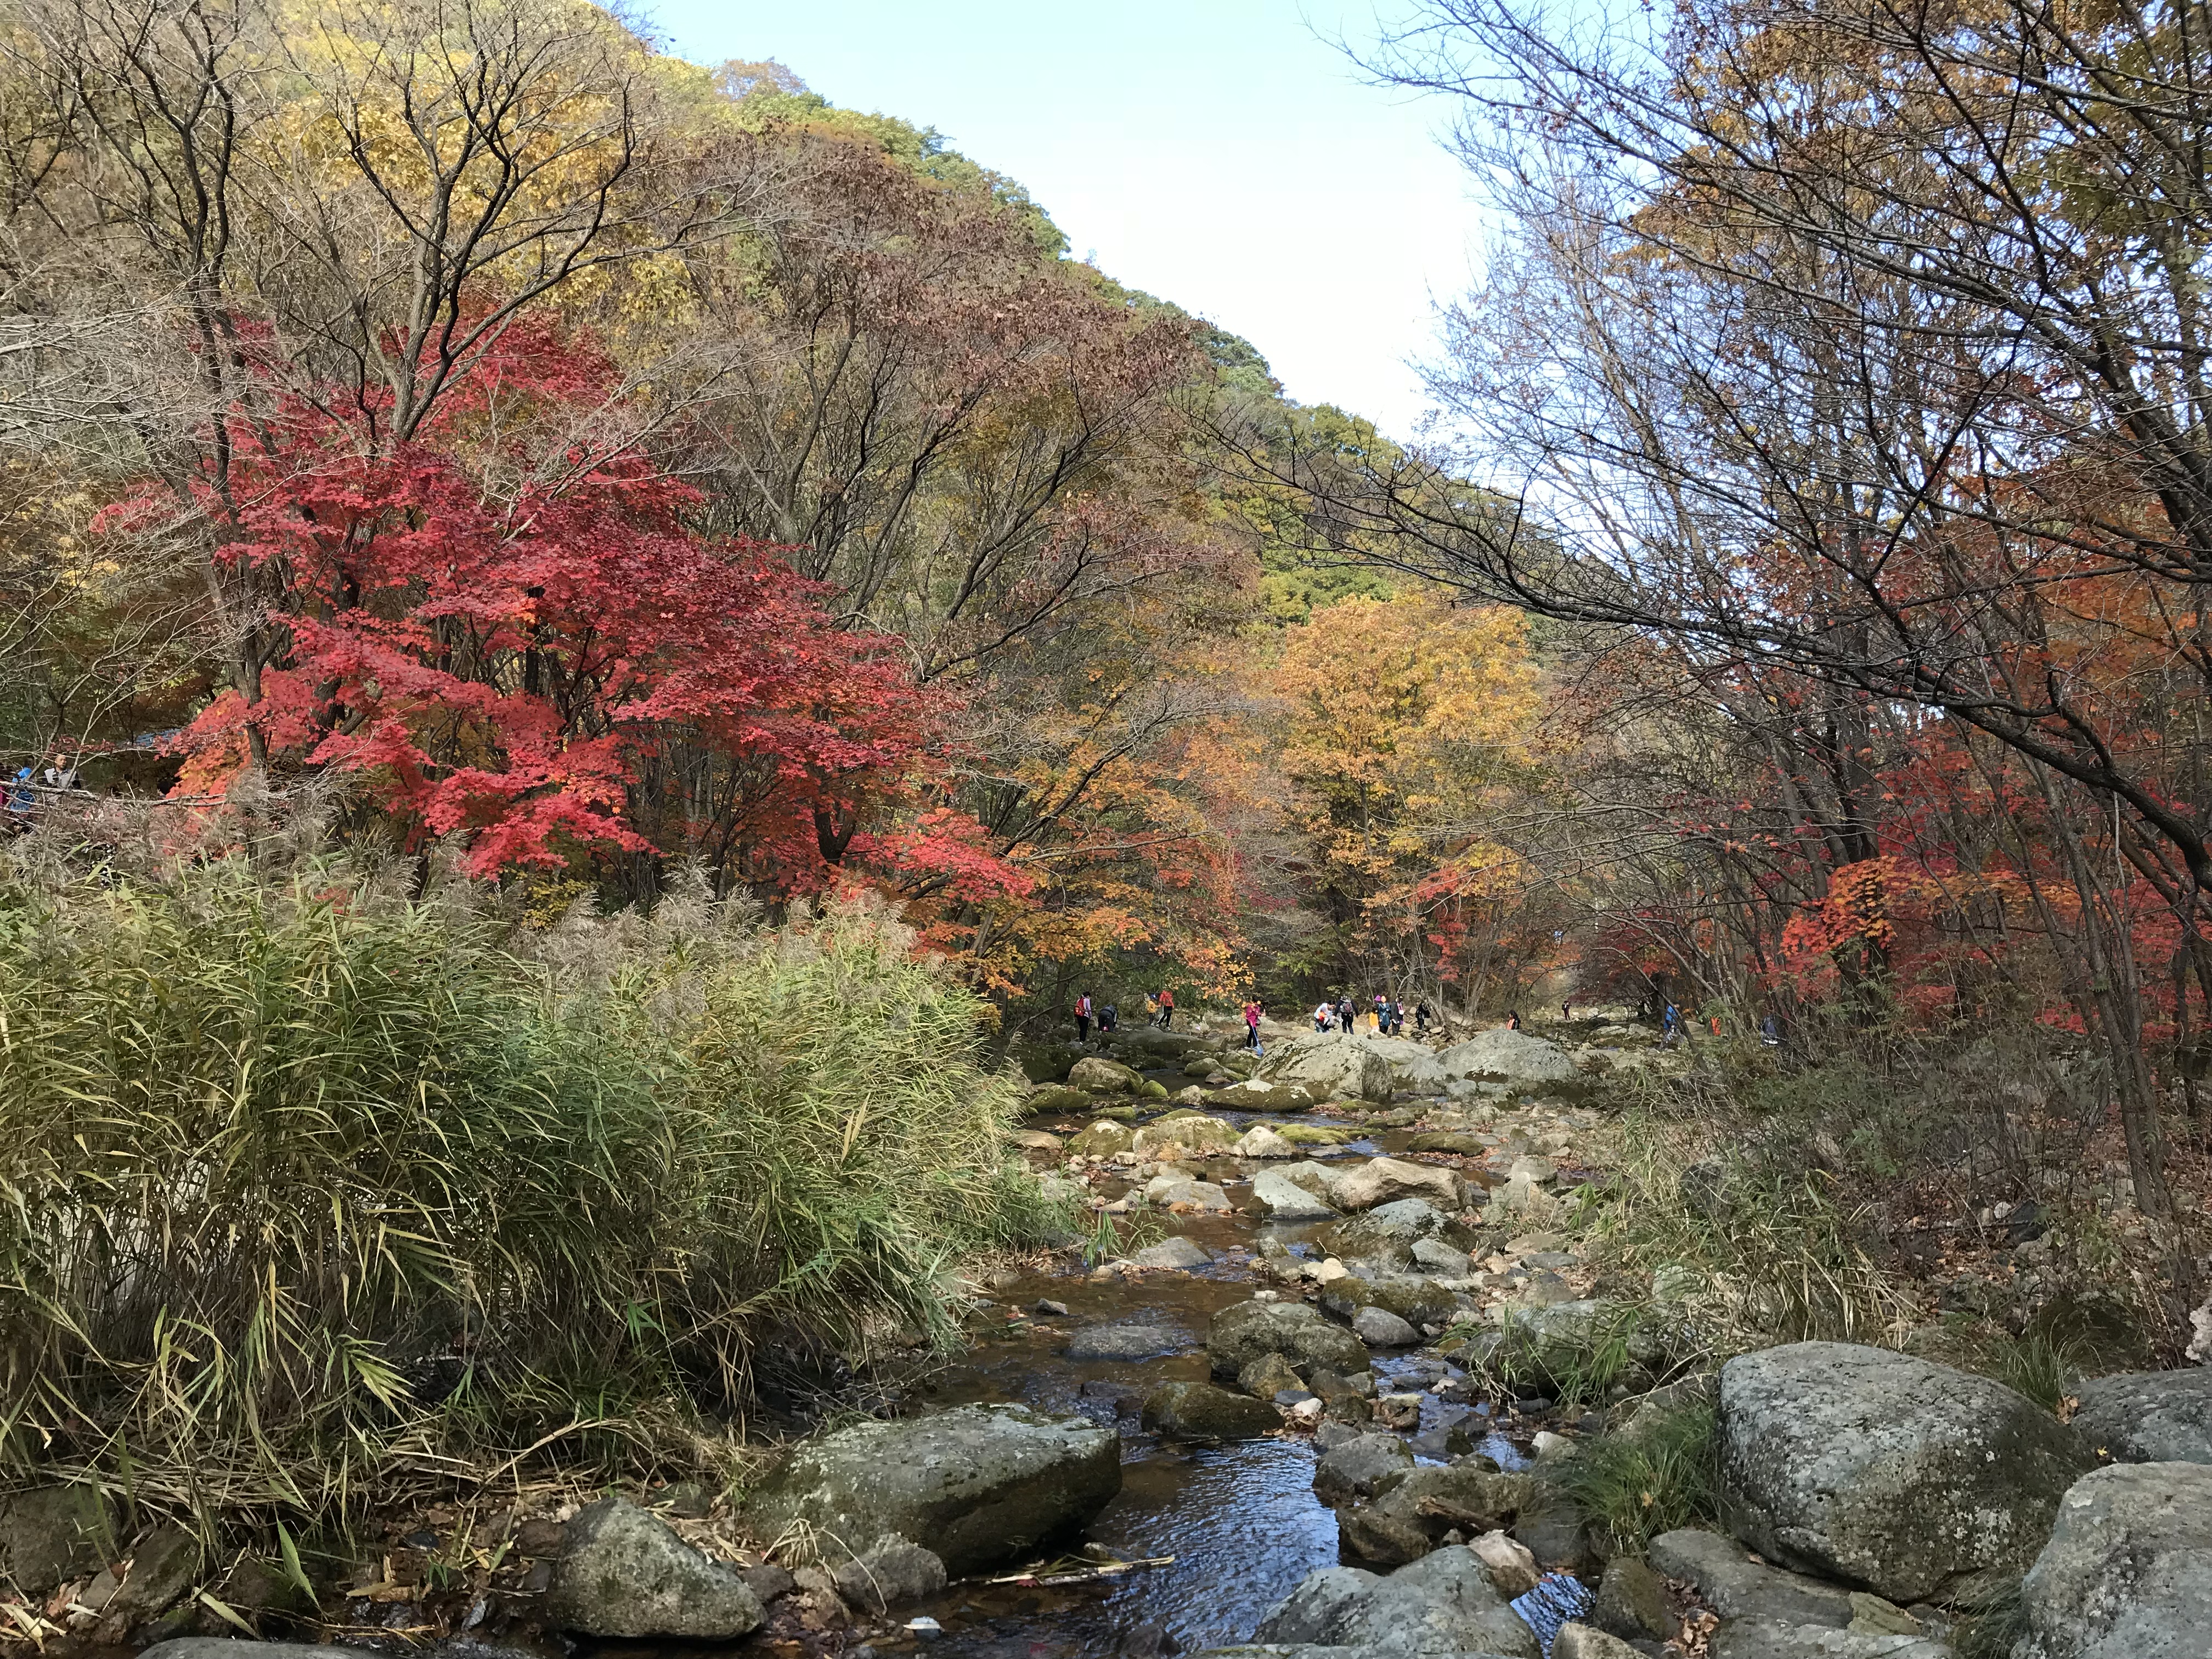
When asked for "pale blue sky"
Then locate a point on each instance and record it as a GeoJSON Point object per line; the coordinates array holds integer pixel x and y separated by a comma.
{"type": "Point", "coordinates": [1214, 152]}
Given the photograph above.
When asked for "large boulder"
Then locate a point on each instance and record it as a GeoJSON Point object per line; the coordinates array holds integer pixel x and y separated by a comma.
{"type": "Point", "coordinates": [1282, 1199]}
{"type": "Point", "coordinates": [1267, 1095]}
{"type": "Point", "coordinates": [1443, 1603]}
{"type": "Point", "coordinates": [1333, 1064]}
{"type": "Point", "coordinates": [1559, 1342]}
{"type": "Point", "coordinates": [1099, 1076]}
{"type": "Point", "coordinates": [624, 1573]}
{"type": "Point", "coordinates": [1410, 1512]}
{"type": "Point", "coordinates": [1518, 1056]}
{"type": "Point", "coordinates": [1179, 1137]}
{"type": "Point", "coordinates": [1104, 1139]}
{"type": "Point", "coordinates": [1888, 1471]}
{"type": "Point", "coordinates": [2127, 1573]}
{"type": "Point", "coordinates": [1295, 1330]}
{"type": "Point", "coordinates": [1387, 1232]}
{"type": "Point", "coordinates": [1764, 1638]}
{"type": "Point", "coordinates": [976, 1484]}
{"type": "Point", "coordinates": [2149, 1417]}
{"type": "Point", "coordinates": [1199, 1411]}
{"type": "Point", "coordinates": [1385, 1180]}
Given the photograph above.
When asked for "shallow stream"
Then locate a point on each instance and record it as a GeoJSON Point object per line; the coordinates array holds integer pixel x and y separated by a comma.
{"type": "Point", "coordinates": [1240, 1519]}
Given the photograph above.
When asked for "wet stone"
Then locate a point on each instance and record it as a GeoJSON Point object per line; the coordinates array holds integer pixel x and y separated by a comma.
{"type": "Point", "coordinates": [1125, 1342]}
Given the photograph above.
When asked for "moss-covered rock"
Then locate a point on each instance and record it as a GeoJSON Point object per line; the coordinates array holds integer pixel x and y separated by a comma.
{"type": "Point", "coordinates": [1102, 1139]}
{"type": "Point", "coordinates": [1199, 1411]}
{"type": "Point", "coordinates": [1242, 1333]}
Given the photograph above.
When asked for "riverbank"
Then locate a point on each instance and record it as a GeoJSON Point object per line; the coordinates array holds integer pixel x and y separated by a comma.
{"type": "Point", "coordinates": [1477, 1362]}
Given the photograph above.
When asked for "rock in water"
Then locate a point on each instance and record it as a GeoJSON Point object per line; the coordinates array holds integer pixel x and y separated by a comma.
{"type": "Point", "coordinates": [1260, 1141]}
{"type": "Point", "coordinates": [624, 1573]}
{"type": "Point", "coordinates": [1379, 1327]}
{"type": "Point", "coordinates": [977, 1484]}
{"type": "Point", "coordinates": [1632, 1602]}
{"type": "Point", "coordinates": [1892, 1471]}
{"type": "Point", "coordinates": [1124, 1342]}
{"type": "Point", "coordinates": [1105, 1076]}
{"type": "Point", "coordinates": [1284, 1199]}
{"type": "Point", "coordinates": [1411, 1512]}
{"type": "Point", "coordinates": [1104, 1139]}
{"type": "Point", "coordinates": [1199, 1411]}
{"type": "Point", "coordinates": [1242, 1333]}
{"type": "Point", "coordinates": [2149, 1417]}
{"type": "Point", "coordinates": [2127, 1573]}
{"type": "Point", "coordinates": [1176, 1252]}
{"type": "Point", "coordinates": [1443, 1603]}
{"type": "Point", "coordinates": [1172, 1137]}
{"type": "Point", "coordinates": [1388, 1231]}
{"type": "Point", "coordinates": [1350, 1471]}
{"type": "Point", "coordinates": [1382, 1180]}
{"type": "Point", "coordinates": [890, 1571]}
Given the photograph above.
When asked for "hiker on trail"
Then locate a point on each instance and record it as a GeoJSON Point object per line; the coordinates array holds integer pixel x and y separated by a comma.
{"type": "Point", "coordinates": [1322, 1014]}
{"type": "Point", "coordinates": [1108, 1017]}
{"type": "Point", "coordinates": [1167, 1007]}
{"type": "Point", "coordinates": [1513, 1020]}
{"type": "Point", "coordinates": [1670, 1025]}
{"type": "Point", "coordinates": [1566, 1011]}
{"type": "Point", "coordinates": [1421, 1018]}
{"type": "Point", "coordinates": [60, 775]}
{"type": "Point", "coordinates": [1081, 1018]}
{"type": "Point", "coordinates": [1251, 1026]}
{"type": "Point", "coordinates": [1770, 1032]}
{"type": "Point", "coordinates": [1151, 1009]}
{"type": "Point", "coordinates": [1344, 1014]}
{"type": "Point", "coordinates": [1397, 1017]}
{"type": "Point", "coordinates": [21, 800]}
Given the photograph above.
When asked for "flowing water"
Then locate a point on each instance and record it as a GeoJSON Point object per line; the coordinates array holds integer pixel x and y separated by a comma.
{"type": "Point", "coordinates": [1240, 1520]}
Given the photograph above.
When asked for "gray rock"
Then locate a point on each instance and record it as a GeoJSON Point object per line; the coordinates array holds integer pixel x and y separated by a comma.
{"type": "Point", "coordinates": [1417, 1301]}
{"type": "Point", "coordinates": [625, 1573]}
{"type": "Point", "coordinates": [1102, 1139]}
{"type": "Point", "coordinates": [1284, 1200]}
{"type": "Point", "coordinates": [978, 1483]}
{"type": "Point", "coordinates": [1169, 1192]}
{"type": "Point", "coordinates": [1894, 1473]}
{"type": "Point", "coordinates": [52, 1534]}
{"type": "Point", "coordinates": [1316, 1651]}
{"type": "Point", "coordinates": [231, 1647]}
{"type": "Point", "coordinates": [1586, 1642]}
{"type": "Point", "coordinates": [1443, 1603]}
{"type": "Point", "coordinates": [2127, 1573]}
{"type": "Point", "coordinates": [1763, 1638]}
{"type": "Point", "coordinates": [1124, 1342]}
{"type": "Point", "coordinates": [1736, 1587]}
{"type": "Point", "coordinates": [768, 1581]}
{"type": "Point", "coordinates": [1105, 1076]}
{"type": "Point", "coordinates": [1260, 1141]}
{"type": "Point", "coordinates": [1350, 1470]}
{"type": "Point", "coordinates": [1560, 1338]}
{"type": "Point", "coordinates": [1170, 1137]}
{"type": "Point", "coordinates": [1267, 1376]}
{"type": "Point", "coordinates": [1381, 1328]}
{"type": "Point", "coordinates": [1389, 1230]}
{"type": "Point", "coordinates": [1519, 1056]}
{"type": "Point", "coordinates": [162, 1568]}
{"type": "Point", "coordinates": [2149, 1417]}
{"type": "Point", "coordinates": [1240, 1334]}
{"type": "Point", "coordinates": [891, 1570]}
{"type": "Point", "coordinates": [1439, 1257]}
{"type": "Point", "coordinates": [1386, 1180]}
{"type": "Point", "coordinates": [1177, 1252]}
{"type": "Point", "coordinates": [1411, 1512]}
{"type": "Point", "coordinates": [1199, 1411]}
{"type": "Point", "coordinates": [1335, 1063]}
{"type": "Point", "coordinates": [1632, 1602]}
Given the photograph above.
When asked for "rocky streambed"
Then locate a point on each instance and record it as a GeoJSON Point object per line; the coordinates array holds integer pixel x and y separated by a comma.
{"type": "Point", "coordinates": [1334, 1390]}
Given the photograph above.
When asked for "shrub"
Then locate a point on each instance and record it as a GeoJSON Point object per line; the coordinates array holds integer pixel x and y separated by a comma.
{"type": "Point", "coordinates": [294, 1179]}
{"type": "Point", "coordinates": [1659, 1474]}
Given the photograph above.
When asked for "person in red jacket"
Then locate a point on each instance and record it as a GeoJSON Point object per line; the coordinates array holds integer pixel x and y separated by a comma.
{"type": "Point", "coordinates": [1251, 1026]}
{"type": "Point", "coordinates": [1081, 1018]}
{"type": "Point", "coordinates": [1167, 1007]}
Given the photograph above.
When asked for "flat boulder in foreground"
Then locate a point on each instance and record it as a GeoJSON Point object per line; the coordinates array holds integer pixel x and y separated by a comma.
{"type": "Point", "coordinates": [624, 1572]}
{"type": "Point", "coordinates": [976, 1485]}
{"type": "Point", "coordinates": [2127, 1573]}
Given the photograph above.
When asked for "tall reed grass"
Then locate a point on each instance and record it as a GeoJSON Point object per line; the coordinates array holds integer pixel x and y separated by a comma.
{"type": "Point", "coordinates": [301, 1183]}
